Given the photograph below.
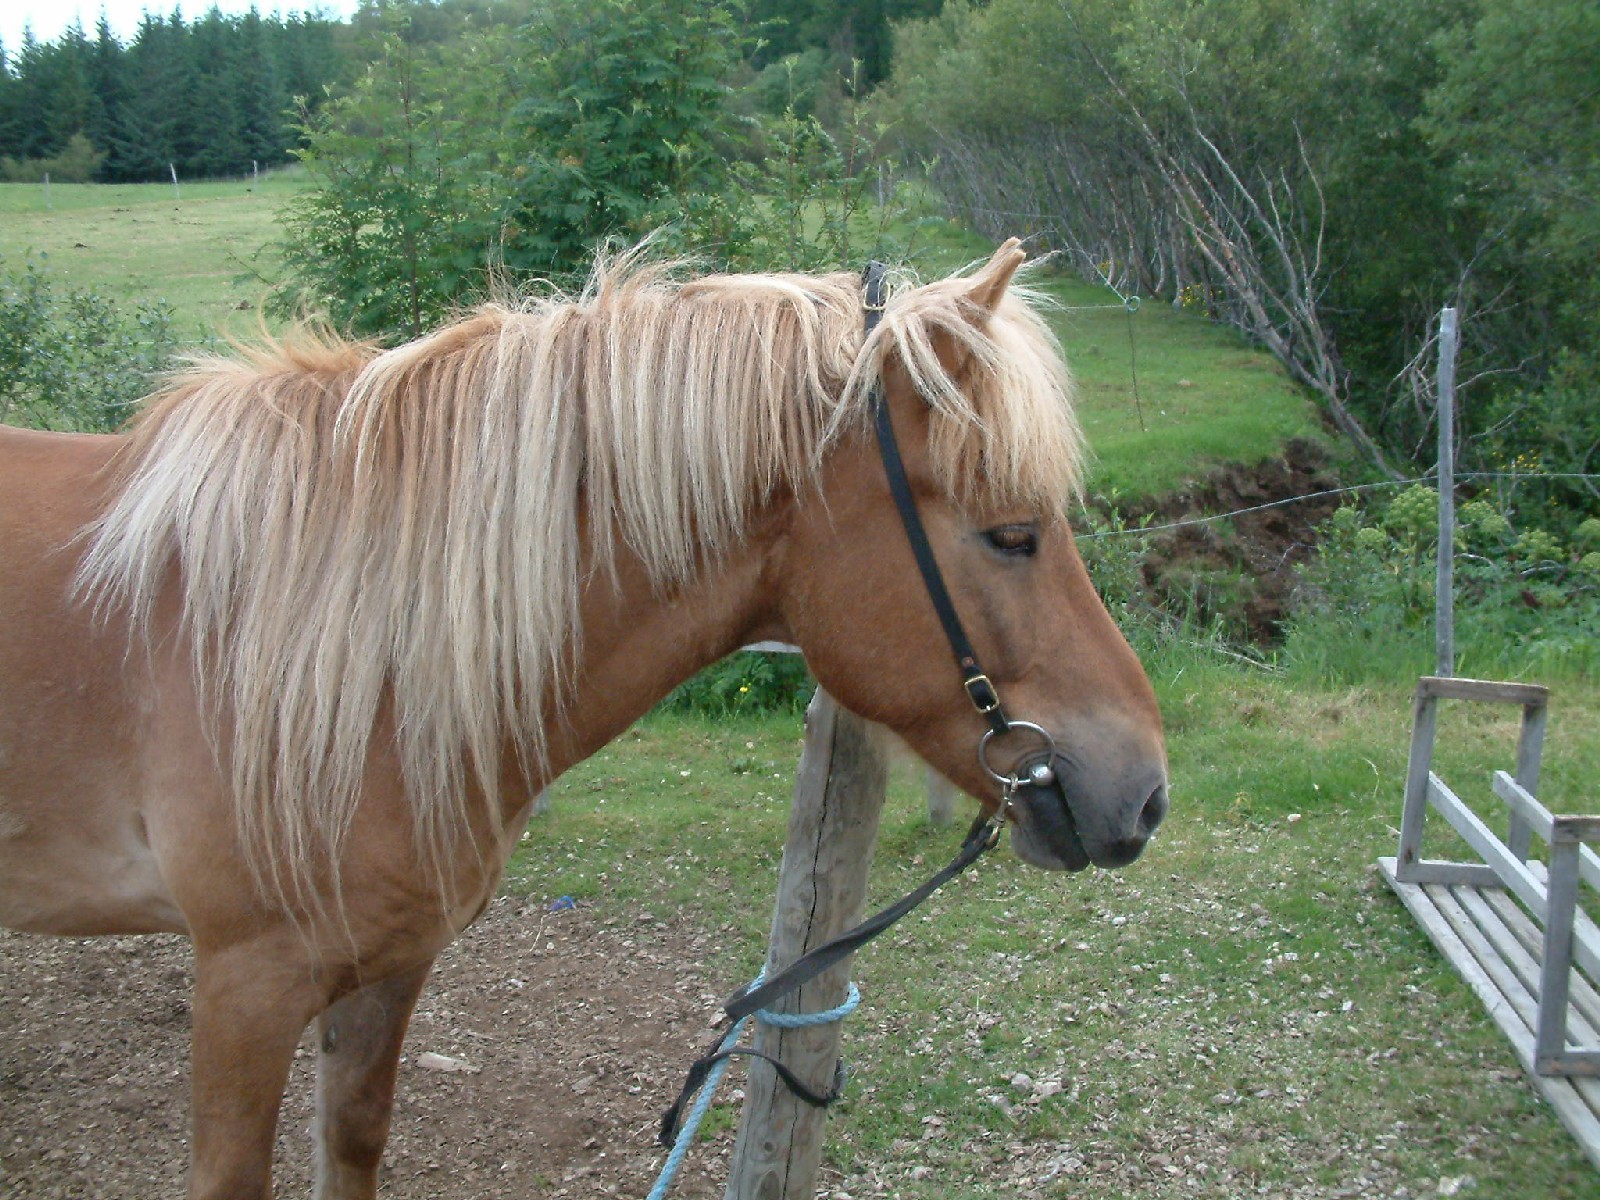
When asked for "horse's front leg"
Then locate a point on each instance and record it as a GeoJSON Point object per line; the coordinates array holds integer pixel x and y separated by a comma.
{"type": "Point", "coordinates": [357, 1058]}
{"type": "Point", "coordinates": [252, 1001]}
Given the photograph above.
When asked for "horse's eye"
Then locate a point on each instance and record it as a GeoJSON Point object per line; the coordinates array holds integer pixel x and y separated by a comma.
{"type": "Point", "coordinates": [1017, 541]}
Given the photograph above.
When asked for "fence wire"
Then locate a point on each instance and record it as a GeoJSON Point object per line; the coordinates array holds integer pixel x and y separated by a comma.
{"type": "Point", "coordinates": [1324, 494]}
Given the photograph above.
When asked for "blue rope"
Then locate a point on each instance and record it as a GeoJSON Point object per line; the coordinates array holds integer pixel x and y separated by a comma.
{"type": "Point", "coordinates": [702, 1102]}
{"type": "Point", "coordinates": [852, 1001]}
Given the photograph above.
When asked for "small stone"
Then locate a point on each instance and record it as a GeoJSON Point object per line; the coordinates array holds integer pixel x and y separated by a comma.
{"type": "Point", "coordinates": [1021, 1082]}
{"type": "Point", "coordinates": [429, 1061]}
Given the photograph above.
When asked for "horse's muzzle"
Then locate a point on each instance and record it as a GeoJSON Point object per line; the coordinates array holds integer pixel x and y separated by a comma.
{"type": "Point", "coordinates": [1072, 823]}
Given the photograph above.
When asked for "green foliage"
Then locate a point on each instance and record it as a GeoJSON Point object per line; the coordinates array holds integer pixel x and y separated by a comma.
{"type": "Point", "coordinates": [622, 114]}
{"type": "Point", "coordinates": [1526, 602]}
{"type": "Point", "coordinates": [811, 200]}
{"type": "Point", "coordinates": [1541, 432]}
{"type": "Point", "coordinates": [395, 231]}
{"type": "Point", "coordinates": [72, 359]}
{"type": "Point", "coordinates": [750, 681]}
{"type": "Point", "coordinates": [1437, 153]}
{"type": "Point", "coordinates": [78, 162]}
{"type": "Point", "coordinates": [847, 29]}
{"type": "Point", "coordinates": [429, 181]}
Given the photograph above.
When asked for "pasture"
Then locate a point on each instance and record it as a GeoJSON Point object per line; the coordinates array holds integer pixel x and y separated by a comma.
{"type": "Point", "coordinates": [1244, 1011]}
{"type": "Point", "coordinates": [205, 250]}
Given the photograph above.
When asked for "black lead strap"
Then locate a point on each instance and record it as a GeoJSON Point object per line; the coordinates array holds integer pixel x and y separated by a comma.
{"type": "Point", "coordinates": [749, 1001]}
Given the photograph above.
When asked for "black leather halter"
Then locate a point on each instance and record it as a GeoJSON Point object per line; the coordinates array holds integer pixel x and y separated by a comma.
{"type": "Point", "coordinates": [978, 686]}
{"type": "Point", "coordinates": [1039, 769]}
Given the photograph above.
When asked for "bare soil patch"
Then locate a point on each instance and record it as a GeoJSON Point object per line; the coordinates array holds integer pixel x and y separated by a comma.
{"type": "Point", "coordinates": [576, 1026]}
{"type": "Point", "coordinates": [1242, 569]}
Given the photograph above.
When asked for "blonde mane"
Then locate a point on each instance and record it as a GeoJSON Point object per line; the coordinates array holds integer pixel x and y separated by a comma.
{"type": "Point", "coordinates": [405, 534]}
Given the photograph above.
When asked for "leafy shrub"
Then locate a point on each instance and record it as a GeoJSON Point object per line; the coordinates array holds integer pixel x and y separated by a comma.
{"type": "Point", "coordinates": [78, 162]}
{"type": "Point", "coordinates": [808, 197]}
{"type": "Point", "coordinates": [72, 359]}
{"type": "Point", "coordinates": [748, 681]}
{"type": "Point", "coordinates": [429, 181]}
{"type": "Point", "coordinates": [1526, 602]}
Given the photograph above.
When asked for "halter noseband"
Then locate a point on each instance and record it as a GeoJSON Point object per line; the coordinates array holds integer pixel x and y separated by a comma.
{"type": "Point", "coordinates": [1040, 771]}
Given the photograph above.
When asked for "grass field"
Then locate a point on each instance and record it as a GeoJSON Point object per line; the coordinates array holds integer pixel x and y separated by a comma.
{"type": "Point", "coordinates": [1245, 1011]}
{"type": "Point", "coordinates": [205, 250]}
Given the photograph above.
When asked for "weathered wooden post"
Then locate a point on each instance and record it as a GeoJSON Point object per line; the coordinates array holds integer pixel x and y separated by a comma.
{"type": "Point", "coordinates": [1444, 579]}
{"type": "Point", "coordinates": [822, 890]}
{"type": "Point", "coordinates": [942, 798]}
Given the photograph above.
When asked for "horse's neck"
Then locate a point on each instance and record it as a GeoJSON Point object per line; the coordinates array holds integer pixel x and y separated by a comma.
{"type": "Point", "coordinates": [639, 644]}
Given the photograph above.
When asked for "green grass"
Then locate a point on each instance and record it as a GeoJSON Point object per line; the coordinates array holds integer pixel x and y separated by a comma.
{"type": "Point", "coordinates": [1248, 1001]}
{"type": "Point", "coordinates": [205, 251]}
{"type": "Point", "coordinates": [1178, 397]}
{"type": "Point", "coordinates": [1165, 395]}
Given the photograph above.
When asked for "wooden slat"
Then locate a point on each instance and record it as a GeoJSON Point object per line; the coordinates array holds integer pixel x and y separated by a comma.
{"type": "Point", "coordinates": [1414, 805]}
{"type": "Point", "coordinates": [1531, 939]}
{"type": "Point", "coordinates": [1513, 872]}
{"type": "Point", "coordinates": [1500, 1006]}
{"type": "Point", "coordinates": [1493, 691]}
{"type": "Point", "coordinates": [1542, 822]}
{"type": "Point", "coordinates": [1526, 967]}
{"type": "Point", "coordinates": [772, 648]}
{"type": "Point", "coordinates": [1559, 1092]}
{"type": "Point", "coordinates": [1524, 1003]}
{"type": "Point", "coordinates": [1436, 870]}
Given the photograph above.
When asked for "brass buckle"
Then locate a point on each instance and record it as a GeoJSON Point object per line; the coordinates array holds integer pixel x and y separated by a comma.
{"type": "Point", "coordinates": [972, 683]}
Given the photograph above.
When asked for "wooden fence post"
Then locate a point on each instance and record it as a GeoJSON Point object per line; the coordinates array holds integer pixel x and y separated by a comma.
{"type": "Point", "coordinates": [1444, 586]}
{"type": "Point", "coordinates": [822, 890]}
{"type": "Point", "coordinates": [942, 798]}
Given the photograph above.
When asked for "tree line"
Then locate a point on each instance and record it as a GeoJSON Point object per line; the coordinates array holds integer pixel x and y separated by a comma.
{"type": "Point", "coordinates": [206, 98]}
{"type": "Point", "coordinates": [215, 95]}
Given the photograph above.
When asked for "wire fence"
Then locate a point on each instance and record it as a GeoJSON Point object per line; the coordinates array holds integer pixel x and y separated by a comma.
{"type": "Point", "coordinates": [1141, 530]}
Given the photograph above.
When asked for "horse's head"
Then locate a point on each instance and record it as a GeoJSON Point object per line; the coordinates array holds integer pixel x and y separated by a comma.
{"type": "Point", "coordinates": [981, 413]}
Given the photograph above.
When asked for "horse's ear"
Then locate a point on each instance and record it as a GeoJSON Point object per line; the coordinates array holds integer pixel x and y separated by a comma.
{"type": "Point", "coordinates": [989, 284]}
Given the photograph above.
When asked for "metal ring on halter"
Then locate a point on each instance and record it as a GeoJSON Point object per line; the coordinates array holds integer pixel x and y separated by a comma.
{"type": "Point", "coordinates": [1041, 774]}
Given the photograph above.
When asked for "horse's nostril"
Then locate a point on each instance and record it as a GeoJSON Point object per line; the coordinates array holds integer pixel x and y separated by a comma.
{"type": "Point", "coordinates": [1154, 810]}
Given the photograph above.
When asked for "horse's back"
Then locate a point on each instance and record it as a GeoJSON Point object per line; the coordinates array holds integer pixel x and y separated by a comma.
{"type": "Point", "coordinates": [73, 853]}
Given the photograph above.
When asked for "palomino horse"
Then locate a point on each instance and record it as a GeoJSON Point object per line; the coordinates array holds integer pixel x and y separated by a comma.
{"type": "Point", "coordinates": [283, 667]}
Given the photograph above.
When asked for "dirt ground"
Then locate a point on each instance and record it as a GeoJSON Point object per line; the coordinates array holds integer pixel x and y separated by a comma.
{"type": "Point", "coordinates": [1243, 569]}
{"type": "Point", "coordinates": [576, 1029]}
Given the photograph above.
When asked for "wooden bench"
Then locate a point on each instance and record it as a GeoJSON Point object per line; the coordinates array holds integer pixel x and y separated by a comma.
{"type": "Point", "coordinates": [1512, 925]}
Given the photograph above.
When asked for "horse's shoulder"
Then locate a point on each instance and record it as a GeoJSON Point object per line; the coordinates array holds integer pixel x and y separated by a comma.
{"type": "Point", "coordinates": [45, 474]}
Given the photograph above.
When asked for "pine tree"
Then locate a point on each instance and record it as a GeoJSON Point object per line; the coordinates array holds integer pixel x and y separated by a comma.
{"type": "Point", "coordinates": [106, 115]}
{"type": "Point", "coordinates": [258, 99]}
